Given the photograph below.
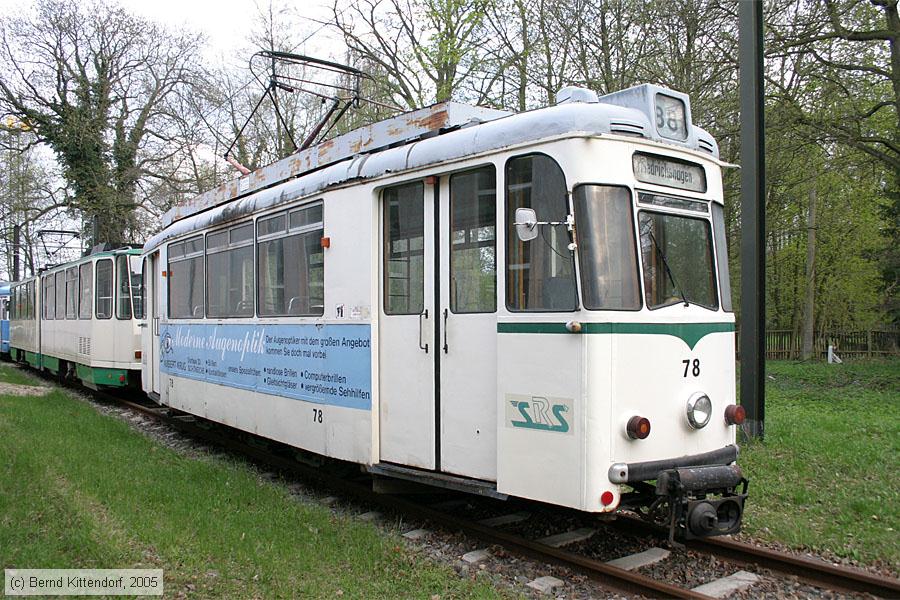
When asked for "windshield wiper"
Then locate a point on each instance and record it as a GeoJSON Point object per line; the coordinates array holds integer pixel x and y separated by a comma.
{"type": "Point", "coordinates": [665, 262]}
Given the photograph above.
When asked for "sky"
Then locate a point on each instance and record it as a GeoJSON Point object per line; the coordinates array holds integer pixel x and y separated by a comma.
{"type": "Point", "coordinates": [227, 24]}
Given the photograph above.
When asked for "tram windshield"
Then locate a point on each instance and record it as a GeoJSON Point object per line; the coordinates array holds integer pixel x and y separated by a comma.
{"type": "Point", "coordinates": [130, 294]}
{"type": "Point", "coordinates": [676, 252]}
{"type": "Point", "coordinates": [606, 251]}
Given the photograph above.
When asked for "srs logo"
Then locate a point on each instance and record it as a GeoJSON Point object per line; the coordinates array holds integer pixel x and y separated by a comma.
{"type": "Point", "coordinates": [539, 412]}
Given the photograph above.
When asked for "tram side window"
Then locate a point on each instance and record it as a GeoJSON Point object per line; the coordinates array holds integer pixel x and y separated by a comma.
{"type": "Point", "coordinates": [540, 274]}
{"type": "Point", "coordinates": [104, 291]}
{"type": "Point", "coordinates": [49, 297]}
{"type": "Point", "coordinates": [404, 249]}
{"type": "Point", "coordinates": [137, 285]}
{"type": "Point", "coordinates": [61, 295]}
{"type": "Point", "coordinates": [86, 301]}
{"type": "Point", "coordinates": [229, 275]}
{"type": "Point", "coordinates": [291, 263]}
{"type": "Point", "coordinates": [473, 241]}
{"type": "Point", "coordinates": [606, 248]}
{"type": "Point", "coordinates": [123, 287]}
{"type": "Point", "coordinates": [72, 293]}
{"type": "Point", "coordinates": [718, 215]}
{"type": "Point", "coordinates": [30, 300]}
{"type": "Point", "coordinates": [186, 277]}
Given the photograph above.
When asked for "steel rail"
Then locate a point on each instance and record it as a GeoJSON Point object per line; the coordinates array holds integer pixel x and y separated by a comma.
{"type": "Point", "coordinates": [608, 576]}
{"type": "Point", "coordinates": [810, 570]}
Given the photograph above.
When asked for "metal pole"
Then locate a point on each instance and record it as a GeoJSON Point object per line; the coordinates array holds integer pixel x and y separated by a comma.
{"type": "Point", "coordinates": [753, 218]}
{"type": "Point", "coordinates": [16, 248]}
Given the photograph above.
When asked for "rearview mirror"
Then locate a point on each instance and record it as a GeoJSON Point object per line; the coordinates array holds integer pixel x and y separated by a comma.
{"type": "Point", "coordinates": [526, 224]}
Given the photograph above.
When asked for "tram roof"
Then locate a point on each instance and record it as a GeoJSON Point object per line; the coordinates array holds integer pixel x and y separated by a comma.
{"type": "Point", "coordinates": [469, 135]}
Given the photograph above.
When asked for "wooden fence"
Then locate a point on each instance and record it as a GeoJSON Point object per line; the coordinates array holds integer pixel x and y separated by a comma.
{"type": "Point", "coordinates": [786, 344]}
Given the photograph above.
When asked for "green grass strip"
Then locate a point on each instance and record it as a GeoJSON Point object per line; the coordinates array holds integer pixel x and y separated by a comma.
{"type": "Point", "coordinates": [80, 489]}
{"type": "Point", "coordinates": [825, 478]}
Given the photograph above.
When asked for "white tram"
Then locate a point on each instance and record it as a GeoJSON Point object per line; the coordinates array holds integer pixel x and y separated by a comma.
{"type": "Point", "coordinates": [81, 320]}
{"type": "Point", "coordinates": [532, 305]}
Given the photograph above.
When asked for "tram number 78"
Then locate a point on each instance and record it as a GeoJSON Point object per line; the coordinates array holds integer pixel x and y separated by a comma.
{"type": "Point", "coordinates": [693, 367]}
{"type": "Point", "coordinates": [317, 415]}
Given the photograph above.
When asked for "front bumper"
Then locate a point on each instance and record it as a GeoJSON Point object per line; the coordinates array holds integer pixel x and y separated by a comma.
{"type": "Point", "coordinates": [700, 493]}
{"type": "Point", "coordinates": [645, 471]}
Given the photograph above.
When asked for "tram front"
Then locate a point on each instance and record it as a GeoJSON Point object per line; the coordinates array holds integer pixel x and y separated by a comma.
{"type": "Point", "coordinates": [650, 397]}
{"type": "Point", "coordinates": [671, 386]}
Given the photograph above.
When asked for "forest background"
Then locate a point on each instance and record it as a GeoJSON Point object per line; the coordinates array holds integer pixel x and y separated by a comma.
{"type": "Point", "coordinates": [108, 118]}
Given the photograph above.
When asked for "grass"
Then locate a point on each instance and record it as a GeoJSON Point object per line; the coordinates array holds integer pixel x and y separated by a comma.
{"type": "Point", "coordinates": [81, 490]}
{"type": "Point", "coordinates": [16, 376]}
{"type": "Point", "coordinates": [826, 476]}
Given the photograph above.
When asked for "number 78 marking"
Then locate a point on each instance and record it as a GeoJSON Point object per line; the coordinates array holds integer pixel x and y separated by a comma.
{"type": "Point", "coordinates": [687, 365]}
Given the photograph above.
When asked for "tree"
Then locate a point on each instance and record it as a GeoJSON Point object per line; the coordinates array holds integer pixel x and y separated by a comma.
{"type": "Point", "coordinates": [31, 202]}
{"type": "Point", "coordinates": [93, 82]}
{"type": "Point", "coordinates": [854, 48]}
{"type": "Point", "coordinates": [426, 48]}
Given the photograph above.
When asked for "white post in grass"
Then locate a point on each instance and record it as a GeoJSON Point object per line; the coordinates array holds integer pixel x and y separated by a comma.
{"type": "Point", "coordinates": [832, 357]}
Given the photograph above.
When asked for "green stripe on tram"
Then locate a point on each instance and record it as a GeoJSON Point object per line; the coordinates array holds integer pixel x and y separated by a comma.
{"type": "Point", "coordinates": [102, 376]}
{"type": "Point", "coordinates": [690, 333]}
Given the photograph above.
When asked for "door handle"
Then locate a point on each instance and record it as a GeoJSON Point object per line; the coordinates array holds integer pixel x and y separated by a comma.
{"type": "Point", "coordinates": [446, 314]}
{"type": "Point", "coordinates": [423, 315]}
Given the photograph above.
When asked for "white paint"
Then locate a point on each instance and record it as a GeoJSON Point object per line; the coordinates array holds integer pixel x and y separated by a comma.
{"type": "Point", "coordinates": [406, 366]}
{"type": "Point", "coordinates": [150, 335]}
{"type": "Point", "coordinates": [606, 377]}
{"type": "Point", "coordinates": [105, 343]}
{"type": "Point", "coordinates": [468, 370]}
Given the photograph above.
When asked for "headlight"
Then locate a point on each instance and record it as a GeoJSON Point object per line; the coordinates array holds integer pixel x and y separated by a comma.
{"type": "Point", "coordinates": [699, 410]}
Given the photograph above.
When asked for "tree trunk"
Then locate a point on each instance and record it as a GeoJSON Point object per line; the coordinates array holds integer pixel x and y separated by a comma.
{"type": "Point", "coordinates": [809, 310]}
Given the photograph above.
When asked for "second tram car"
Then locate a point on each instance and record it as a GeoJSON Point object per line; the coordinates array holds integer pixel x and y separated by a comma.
{"type": "Point", "coordinates": [80, 320]}
{"type": "Point", "coordinates": [532, 305]}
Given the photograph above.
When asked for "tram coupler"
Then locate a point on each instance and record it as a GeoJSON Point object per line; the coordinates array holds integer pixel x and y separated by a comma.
{"type": "Point", "coordinates": [703, 501]}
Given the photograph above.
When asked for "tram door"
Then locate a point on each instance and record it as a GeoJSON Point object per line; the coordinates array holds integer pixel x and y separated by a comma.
{"type": "Point", "coordinates": [150, 343]}
{"type": "Point", "coordinates": [406, 330]}
{"type": "Point", "coordinates": [468, 307]}
{"type": "Point", "coordinates": [438, 329]}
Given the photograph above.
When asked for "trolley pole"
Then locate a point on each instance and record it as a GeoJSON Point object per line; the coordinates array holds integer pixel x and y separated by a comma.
{"type": "Point", "coordinates": [753, 217]}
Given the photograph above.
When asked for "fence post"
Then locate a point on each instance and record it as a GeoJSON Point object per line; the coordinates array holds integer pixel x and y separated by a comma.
{"type": "Point", "coordinates": [869, 343]}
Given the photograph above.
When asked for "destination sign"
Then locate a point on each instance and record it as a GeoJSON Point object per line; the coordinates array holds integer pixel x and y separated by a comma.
{"type": "Point", "coordinates": [650, 168]}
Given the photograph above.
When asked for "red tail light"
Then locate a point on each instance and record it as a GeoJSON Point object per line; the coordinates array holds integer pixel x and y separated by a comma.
{"type": "Point", "coordinates": [606, 498]}
{"type": "Point", "coordinates": [735, 414]}
{"type": "Point", "coordinates": [638, 428]}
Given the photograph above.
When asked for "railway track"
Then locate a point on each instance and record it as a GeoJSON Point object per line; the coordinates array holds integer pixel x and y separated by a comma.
{"type": "Point", "coordinates": [815, 572]}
